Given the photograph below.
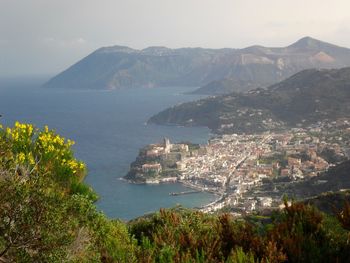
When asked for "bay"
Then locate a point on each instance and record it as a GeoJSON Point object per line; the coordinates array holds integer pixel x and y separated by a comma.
{"type": "Point", "coordinates": [109, 129]}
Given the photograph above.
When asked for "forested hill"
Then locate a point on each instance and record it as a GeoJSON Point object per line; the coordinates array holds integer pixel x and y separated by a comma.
{"type": "Point", "coordinates": [225, 70]}
{"type": "Point", "coordinates": [305, 98]}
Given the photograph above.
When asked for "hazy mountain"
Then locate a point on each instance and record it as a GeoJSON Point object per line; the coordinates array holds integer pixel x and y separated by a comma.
{"type": "Point", "coordinates": [304, 98]}
{"type": "Point", "coordinates": [258, 66]}
{"type": "Point", "coordinates": [224, 69]}
{"type": "Point", "coordinates": [122, 67]}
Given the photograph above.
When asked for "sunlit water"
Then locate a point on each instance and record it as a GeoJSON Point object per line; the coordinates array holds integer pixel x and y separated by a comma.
{"type": "Point", "coordinates": [109, 128]}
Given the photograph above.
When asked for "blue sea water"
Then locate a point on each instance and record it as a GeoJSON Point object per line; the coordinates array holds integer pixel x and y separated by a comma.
{"type": "Point", "coordinates": [109, 129]}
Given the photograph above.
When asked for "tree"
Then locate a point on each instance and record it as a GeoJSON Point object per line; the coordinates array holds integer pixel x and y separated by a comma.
{"type": "Point", "coordinates": [47, 214]}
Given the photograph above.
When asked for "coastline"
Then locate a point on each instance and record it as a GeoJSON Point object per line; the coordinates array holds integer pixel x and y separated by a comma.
{"type": "Point", "coordinates": [218, 195]}
{"type": "Point", "coordinates": [155, 159]}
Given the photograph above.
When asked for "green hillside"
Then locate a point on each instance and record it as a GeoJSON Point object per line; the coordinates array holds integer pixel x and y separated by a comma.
{"type": "Point", "coordinates": [303, 99]}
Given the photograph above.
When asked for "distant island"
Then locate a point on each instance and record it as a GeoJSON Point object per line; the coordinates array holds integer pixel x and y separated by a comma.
{"type": "Point", "coordinates": [216, 71]}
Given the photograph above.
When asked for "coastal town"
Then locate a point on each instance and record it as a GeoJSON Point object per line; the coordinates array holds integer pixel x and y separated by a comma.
{"type": "Point", "coordinates": [232, 166]}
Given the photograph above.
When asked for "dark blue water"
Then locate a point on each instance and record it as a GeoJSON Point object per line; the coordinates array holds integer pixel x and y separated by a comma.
{"type": "Point", "coordinates": [109, 129]}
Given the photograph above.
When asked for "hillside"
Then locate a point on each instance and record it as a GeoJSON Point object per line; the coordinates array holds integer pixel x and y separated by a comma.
{"type": "Point", "coordinates": [335, 179]}
{"type": "Point", "coordinates": [217, 70]}
{"type": "Point", "coordinates": [326, 191]}
{"type": "Point", "coordinates": [305, 98]}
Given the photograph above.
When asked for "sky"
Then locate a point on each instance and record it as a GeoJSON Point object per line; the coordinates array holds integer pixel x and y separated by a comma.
{"type": "Point", "coordinates": [44, 37]}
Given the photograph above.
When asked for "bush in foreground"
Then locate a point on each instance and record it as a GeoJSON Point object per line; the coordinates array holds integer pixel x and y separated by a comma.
{"type": "Point", "coordinates": [46, 211]}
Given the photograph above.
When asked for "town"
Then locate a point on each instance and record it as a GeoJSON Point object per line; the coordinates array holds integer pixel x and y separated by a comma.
{"type": "Point", "coordinates": [232, 166]}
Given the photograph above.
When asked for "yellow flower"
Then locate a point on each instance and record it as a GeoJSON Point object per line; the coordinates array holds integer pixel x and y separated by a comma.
{"type": "Point", "coordinates": [54, 151]}
{"type": "Point", "coordinates": [31, 159]}
{"type": "Point", "coordinates": [21, 157]}
{"type": "Point", "coordinates": [70, 142]}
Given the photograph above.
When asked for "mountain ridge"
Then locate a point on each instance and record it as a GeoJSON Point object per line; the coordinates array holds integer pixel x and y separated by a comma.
{"type": "Point", "coordinates": [119, 67]}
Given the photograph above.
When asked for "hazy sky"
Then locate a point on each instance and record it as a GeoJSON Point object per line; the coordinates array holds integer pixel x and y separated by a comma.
{"type": "Point", "coordinates": [47, 36]}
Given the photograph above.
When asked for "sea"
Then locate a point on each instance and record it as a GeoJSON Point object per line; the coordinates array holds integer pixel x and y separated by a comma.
{"type": "Point", "coordinates": [109, 128]}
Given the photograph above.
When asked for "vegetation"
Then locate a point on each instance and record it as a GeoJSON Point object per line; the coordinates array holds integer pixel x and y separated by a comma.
{"type": "Point", "coordinates": [305, 98]}
{"type": "Point", "coordinates": [330, 156]}
{"type": "Point", "coordinates": [299, 233]}
{"type": "Point", "coordinates": [47, 214]}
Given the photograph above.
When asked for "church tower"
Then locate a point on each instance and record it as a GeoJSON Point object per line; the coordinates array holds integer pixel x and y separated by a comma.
{"type": "Point", "coordinates": [167, 145]}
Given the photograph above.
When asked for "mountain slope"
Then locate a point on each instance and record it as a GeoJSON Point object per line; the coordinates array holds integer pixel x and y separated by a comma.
{"type": "Point", "coordinates": [121, 67]}
{"type": "Point", "coordinates": [305, 98]}
{"type": "Point", "coordinates": [225, 70]}
{"type": "Point", "coordinates": [258, 66]}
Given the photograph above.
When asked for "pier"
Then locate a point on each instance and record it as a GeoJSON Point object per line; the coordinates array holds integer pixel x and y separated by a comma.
{"type": "Point", "coordinates": [185, 192]}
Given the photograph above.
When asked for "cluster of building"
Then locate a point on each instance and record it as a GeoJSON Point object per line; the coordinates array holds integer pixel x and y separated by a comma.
{"type": "Point", "coordinates": [232, 166]}
{"type": "Point", "coordinates": [157, 163]}
{"type": "Point", "coordinates": [222, 158]}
